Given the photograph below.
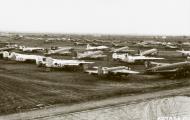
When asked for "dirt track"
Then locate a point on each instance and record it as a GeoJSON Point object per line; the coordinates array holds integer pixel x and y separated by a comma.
{"type": "Point", "coordinates": [58, 112]}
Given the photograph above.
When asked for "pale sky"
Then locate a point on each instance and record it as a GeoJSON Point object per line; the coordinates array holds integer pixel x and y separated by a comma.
{"type": "Point", "coordinates": [166, 17]}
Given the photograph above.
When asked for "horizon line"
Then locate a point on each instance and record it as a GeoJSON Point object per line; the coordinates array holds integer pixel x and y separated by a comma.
{"type": "Point", "coordinates": [98, 34]}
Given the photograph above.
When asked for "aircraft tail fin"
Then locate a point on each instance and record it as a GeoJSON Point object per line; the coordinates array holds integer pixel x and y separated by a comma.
{"type": "Point", "coordinates": [75, 53]}
{"type": "Point", "coordinates": [46, 51]}
{"type": "Point", "coordinates": [139, 52]}
{"type": "Point", "coordinates": [49, 62]}
{"type": "Point", "coordinates": [188, 58]}
{"type": "Point", "coordinates": [114, 56]}
{"type": "Point", "coordinates": [127, 54]}
{"type": "Point", "coordinates": [12, 56]}
{"type": "Point", "coordinates": [5, 54]}
{"type": "Point", "coordinates": [21, 47]}
{"type": "Point", "coordinates": [88, 46]}
{"type": "Point", "coordinates": [39, 61]}
{"type": "Point", "coordinates": [147, 64]}
{"type": "Point", "coordinates": [100, 71]}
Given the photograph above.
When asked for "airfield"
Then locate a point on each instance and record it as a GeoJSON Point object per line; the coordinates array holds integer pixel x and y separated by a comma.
{"type": "Point", "coordinates": [26, 87]}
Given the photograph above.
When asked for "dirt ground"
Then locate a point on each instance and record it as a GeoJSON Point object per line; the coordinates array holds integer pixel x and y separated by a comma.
{"type": "Point", "coordinates": [25, 87]}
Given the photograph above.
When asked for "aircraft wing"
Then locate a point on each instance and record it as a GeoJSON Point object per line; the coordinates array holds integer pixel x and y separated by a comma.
{"type": "Point", "coordinates": [148, 58]}
{"type": "Point", "coordinates": [169, 46]}
{"type": "Point", "coordinates": [32, 49]}
{"type": "Point", "coordinates": [64, 49]}
{"type": "Point", "coordinates": [166, 71]}
{"type": "Point", "coordinates": [78, 63]}
{"type": "Point", "coordinates": [38, 48]}
{"type": "Point", "coordinates": [158, 64]}
{"type": "Point", "coordinates": [92, 71]}
{"type": "Point", "coordinates": [180, 51]}
{"type": "Point", "coordinates": [71, 64]}
{"type": "Point", "coordinates": [123, 51]}
{"type": "Point", "coordinates": [83, 62]}
{"type": "Point", "coordinates": [124, 71]}
{"type": "Point", "coordinates": [61, 50]}
{"type": "Point", "coordinates": [129, 50]}
{"type": "Point", "coordinates": [98, 56]}
{"type": "Point", "coordinates": [6, 49]}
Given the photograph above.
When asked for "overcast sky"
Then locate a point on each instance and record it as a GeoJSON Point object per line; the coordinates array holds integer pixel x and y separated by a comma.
{"type": "Point", "coordinates": [168, 17]}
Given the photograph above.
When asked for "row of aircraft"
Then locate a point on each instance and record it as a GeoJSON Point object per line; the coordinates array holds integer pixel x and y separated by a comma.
{"type": "Point", "coordinates": [95, 52]}
{"type": "Point", "coordinates": [167, 45]}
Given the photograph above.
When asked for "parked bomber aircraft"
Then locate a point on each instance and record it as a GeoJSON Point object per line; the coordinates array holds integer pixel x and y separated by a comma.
{"type": "Point", "coordinates": [117, 45]}
{"type": "Point", "coordinates": [168, 69]}
{"type": "Point", "coordinates": [153, 43]}
{"type": "Point", "coordinates": [142, 44]}
{"type": "Point", "coordinates": [51, 63]}
{"type": "Point", "coordinates": [90, 55]}
{"type": "Point", "coordinates": [30, 49]}
{"type": "Point", "coordinates": [122, 50]}
{"type": "Point", "coordinates": [151, 52]}
{"type": "Point", "coordinates": [169, 45]}
{"type": "Point", "coordinates": [186, 43]}
{"type": "Point", "coordinates": [79, 43]}
{"type": "Point", "coordinates": [184, 53]}
{"type": "Point", "coordinates": [133, 59]}
{"type": "Point", "coordinates": [7, 48]}
{"type": "Point", "coordinates": [8, 44]}
{"type": "Point", "coordinates": [113, 71]}
{"type": "Point", "coordinates": [60, 50]}
{"type": "Point", "coordinates": [89, 47]}
{"type": "Point", "coordinates": [24, 57]}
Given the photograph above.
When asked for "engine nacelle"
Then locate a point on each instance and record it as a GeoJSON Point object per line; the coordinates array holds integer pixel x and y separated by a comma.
{"type": "Point", "coordinates": [129, 59]}
{"type": "Point", "coordinates": [5, 54]}
{"type": "Point", "coordinates": [41, 61]}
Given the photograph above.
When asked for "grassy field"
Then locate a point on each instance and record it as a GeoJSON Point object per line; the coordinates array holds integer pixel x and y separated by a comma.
{"type": "Point", "coordinates": [25, 86]}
